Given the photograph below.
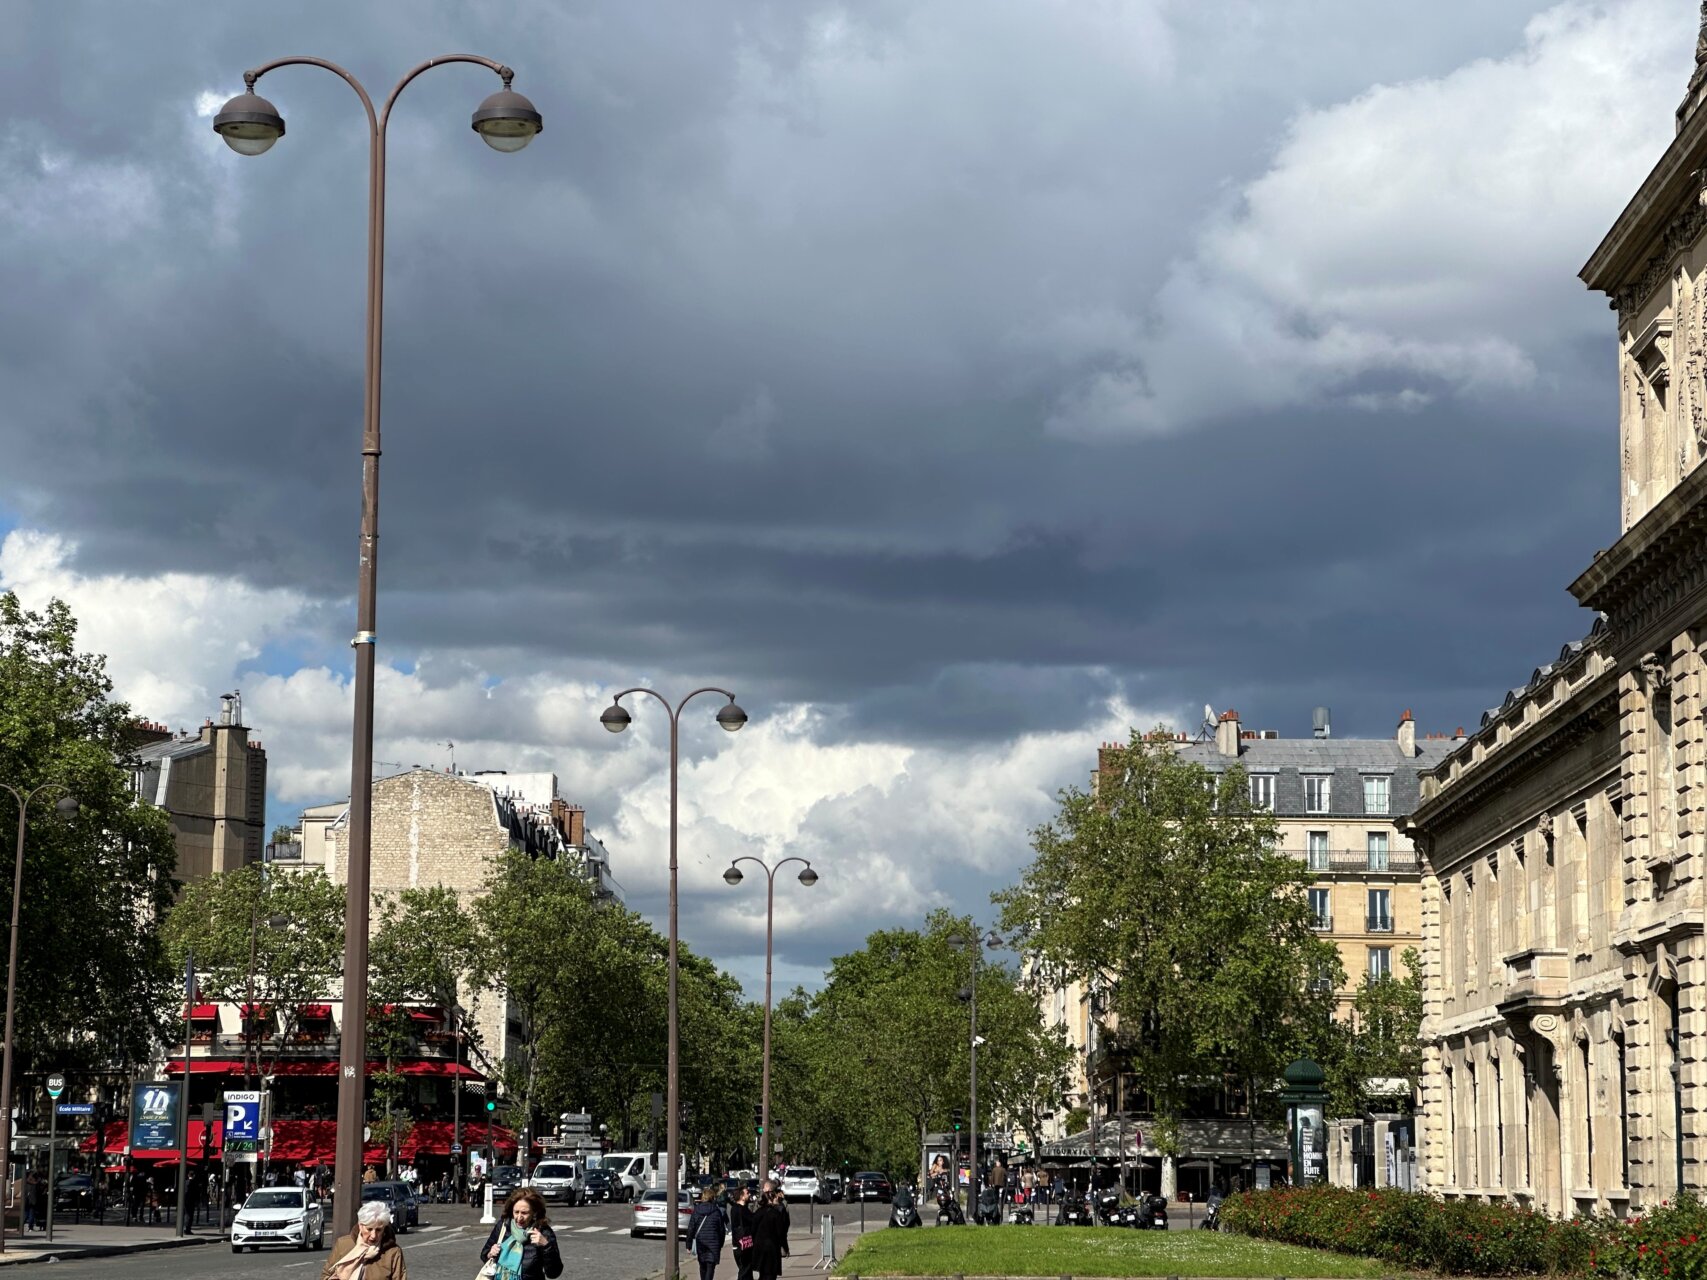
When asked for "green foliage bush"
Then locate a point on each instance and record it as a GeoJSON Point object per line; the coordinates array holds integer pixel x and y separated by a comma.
{"type": "Point", "coordinates": [1411, 1229]}
{"type": "Point", "coordinates": [1670, 1243]}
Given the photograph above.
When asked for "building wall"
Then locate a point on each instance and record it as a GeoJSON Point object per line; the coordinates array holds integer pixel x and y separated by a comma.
{"type": "Point", "coordinates": [213, 788]}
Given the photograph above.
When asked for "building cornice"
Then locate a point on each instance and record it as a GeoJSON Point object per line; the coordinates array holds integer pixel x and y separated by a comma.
{"type": "Point", "coordinates": [1647, 581]}
{"type": "Point", "coordinates": [1660, 221]}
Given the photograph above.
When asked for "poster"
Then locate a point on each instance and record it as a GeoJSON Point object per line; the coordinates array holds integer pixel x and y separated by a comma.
{"type": "Point", "coordinates": [154, 1116]}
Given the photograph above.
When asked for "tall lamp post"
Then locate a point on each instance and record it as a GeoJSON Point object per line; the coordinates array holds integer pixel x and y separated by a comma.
{"type": "Point", "coordinates": [66, 806]}
{"type": "Point", "coordinates": [975, 943]}
{"type": "Point", "coordinates": [808, 877]}
{"type": "Point", "coordinates": [616, 718]}
{"type": "Point", "coordinates": [250, 125]}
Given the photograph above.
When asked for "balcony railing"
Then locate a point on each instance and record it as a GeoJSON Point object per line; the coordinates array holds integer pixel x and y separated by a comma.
{"type": "Point", "coordinates": [1322, 923]}
{"type": "Point", "coordinates": [1356, 862]}
{"type": "Point", "coordinates": [1379, 924]}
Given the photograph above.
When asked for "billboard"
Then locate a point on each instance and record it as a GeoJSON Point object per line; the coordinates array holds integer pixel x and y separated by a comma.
{"type": "Point", "coordinates": [154, 1116]}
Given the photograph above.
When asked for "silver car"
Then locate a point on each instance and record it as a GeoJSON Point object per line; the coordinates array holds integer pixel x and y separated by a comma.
{"type": "Point", "coordinates": [279, 1216]}
{"type": "Point", "coordinates": [650, 1209]}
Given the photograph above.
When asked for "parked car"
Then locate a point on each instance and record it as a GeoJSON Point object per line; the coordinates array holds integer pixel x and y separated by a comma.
{"type": "Point", "coordinates": [803, 1184]}
{"type": "Point", "coordinates": [600, 1188]}
{"type": "Point", "coordinates": [560, 1180]}
{"type": "Point", "coordinates": [505, 1179]}
{"type": "Point", "coordinates": [284, 1216]}
{"type": "Point", "coordinates": [74, 1193]}
{"type": "Point", "coordinates": [405, 1208]}
{"type": "Point", "coordinates": [650, 1209]}
{"type": "Point", "coordinates": [871, 1186]}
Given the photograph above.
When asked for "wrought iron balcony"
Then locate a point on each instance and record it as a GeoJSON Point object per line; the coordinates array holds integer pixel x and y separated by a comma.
{"type": "Point", "coordinates": [1379, 924]}
{"type": "Point", "coordinates": [1361, 862]}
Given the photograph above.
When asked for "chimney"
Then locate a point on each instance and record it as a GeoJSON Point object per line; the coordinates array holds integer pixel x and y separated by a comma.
{"type": "Point", "coordinates": [1227, 734]}
{"type": "Point", "coordinates": [1319, 719]}
{"type": "Point", "coordinates": [1407, 735]}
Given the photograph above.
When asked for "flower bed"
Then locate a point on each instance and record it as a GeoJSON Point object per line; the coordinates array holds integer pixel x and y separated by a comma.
{"type": "Point", "coordinates": [1411, 1229]}
{"type": "Point", "coordinates": [1668, 1243]}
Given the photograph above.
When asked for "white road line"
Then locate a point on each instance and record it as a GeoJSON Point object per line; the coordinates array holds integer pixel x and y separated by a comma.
{"type": "Point", "coordinates": [583, 1230]}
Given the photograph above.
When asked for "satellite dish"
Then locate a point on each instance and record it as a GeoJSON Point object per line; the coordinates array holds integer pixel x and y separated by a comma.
{"type": "Point", "coordinates": [1208, 714]}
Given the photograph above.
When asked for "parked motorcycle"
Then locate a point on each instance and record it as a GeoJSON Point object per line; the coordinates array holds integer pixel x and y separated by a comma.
{"type": "Point", "coordinates": [948, 1211]}
{"type": "Point", "coordinates": [1130, 1215]}
{"type": "Point", "coordinates": [1020, 1212]}
{"type": "Point", "coordinates": [903, 1209]}
{"type": "Point", "coordinates": [1155, 1213]}
{"type": "Point", "coordinates": [988, 1211]}
{"type": "Point", "coordinates": [1075, 1212]}
{"type": "Point", "coordinates": [1108, 1206]}
{"type": "Point", "coordinates": [1212, 1216]}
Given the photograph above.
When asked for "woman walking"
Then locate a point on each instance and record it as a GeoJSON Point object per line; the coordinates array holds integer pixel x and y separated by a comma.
{"type": "Point", "coordinates": [741, 1222]}
{"type": "Point", "coordinates": [370, 1251]}
{"type": "Point", "coordinates": [706, 1229]}
{"type": "Point", "coordinates": [770, 1236]}
{"type": "Point", "coordinates": [522, 1245]}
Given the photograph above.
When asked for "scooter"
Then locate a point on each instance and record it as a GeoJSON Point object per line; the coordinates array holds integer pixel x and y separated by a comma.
{"type": "Point", "coordinates": [1108, 1206]}
{"type": "Point", "coordinates": [903, 1210]}
{"type": "Point", "coordinates": [988, 1211]}
{"type": "Point", "coordinates": [1129, 1215]}
{"type": "Point", "coordinates": [948, 1211]}
{"type": "Point", "coordinates": [1021, 1213]}
{"type": "Point", "coordinates": [1155, 1214]}
{"type": "Point", "coordinates": [1212, 1218]}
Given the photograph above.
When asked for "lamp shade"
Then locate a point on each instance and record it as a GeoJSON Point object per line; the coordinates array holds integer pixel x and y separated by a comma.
{"type": "Point", "coordinates": [507, 121]}
{"type": "Point", "coordinates": [616, 718]}
{"type": "Point", "coordinates": [249, 124]}
{"type": "Point", "coordinates": [731, 717]}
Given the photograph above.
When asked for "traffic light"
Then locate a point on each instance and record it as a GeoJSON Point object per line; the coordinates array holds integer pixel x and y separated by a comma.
{"type": "Point", "coordinates": [956, 1117]}
{"type": "Point", "coordinates": [758, 1119]}
{"type": "Point", "coordinates": [491, 1105]}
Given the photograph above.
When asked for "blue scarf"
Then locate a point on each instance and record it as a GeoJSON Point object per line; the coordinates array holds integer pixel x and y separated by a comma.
{"type": "Point", "coordinates": [510, 1252]}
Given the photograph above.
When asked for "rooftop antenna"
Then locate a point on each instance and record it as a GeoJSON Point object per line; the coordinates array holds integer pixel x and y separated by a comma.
{"type": "Point", "coordinates": [451, 746]}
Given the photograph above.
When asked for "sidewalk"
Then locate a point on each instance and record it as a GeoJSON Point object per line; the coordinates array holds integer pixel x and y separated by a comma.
{"type": "Point", "coordinates": [87, 1240]}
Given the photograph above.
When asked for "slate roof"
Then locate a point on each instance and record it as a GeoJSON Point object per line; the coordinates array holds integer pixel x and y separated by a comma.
{"type": "Point", "coordinates": [156, 759]}
{"type": "Point", "coordinates": [1346, 759]}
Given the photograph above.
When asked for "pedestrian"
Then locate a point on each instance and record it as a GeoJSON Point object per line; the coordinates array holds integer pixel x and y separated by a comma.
{"type": "Point", "coordinates": [368, 1175]}
{"type": "Point", "coordinates": [522, 1244]}
{"type": "Point", "coordinates": [741, 1230]}
{"type": "Point", "coordinates": [706, 1230]}
{"type": "Point", "coordinates": [300, 1177]}
{"type": "Point", "coordinates": [370, 1251]}
{"type": "Point", "coordinates": [770, 1236]}
{"type": "Point", "coordinates": [32, 1184]}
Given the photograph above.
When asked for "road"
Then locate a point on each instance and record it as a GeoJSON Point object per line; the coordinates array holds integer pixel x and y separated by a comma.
{"type": "Point", "coordinates": [594, 1241]}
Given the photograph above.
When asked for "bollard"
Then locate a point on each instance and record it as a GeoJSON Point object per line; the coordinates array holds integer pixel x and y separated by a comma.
{"type": "Point", "coordinates": [486, 1219]}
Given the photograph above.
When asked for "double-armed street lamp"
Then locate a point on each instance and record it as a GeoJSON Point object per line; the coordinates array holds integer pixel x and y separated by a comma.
{"type": "Point", "coordinates": [66, 806]}
{"type": "Point", "coordinates": [250, 124]}
{"type": "Point", "coordinates": [616, 718]}
{"type": "Point", "coordinates": [974, 943]}
{"type": "Point", "coordinates": [733, 876]}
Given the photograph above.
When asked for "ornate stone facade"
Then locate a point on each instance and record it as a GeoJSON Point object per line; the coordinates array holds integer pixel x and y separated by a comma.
{"type": "Point", "coordinates": [1566, 1020]}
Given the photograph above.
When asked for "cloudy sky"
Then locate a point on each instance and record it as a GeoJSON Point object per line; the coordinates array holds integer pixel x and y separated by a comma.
{"type": "Point", "coordinates": [959, 381]}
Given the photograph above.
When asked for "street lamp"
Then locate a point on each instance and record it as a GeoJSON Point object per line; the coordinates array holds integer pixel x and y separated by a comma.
{"type": "Point", "coordinates": [616, 718]}
{"type": "Point", "coordinates": [969, 996]}
{"type": "Point", "coordinates": [807, 877]}
{"type": "Point", "coordinates": [250, 125]}
{"type": "Point", "coordinates": [66, 806]}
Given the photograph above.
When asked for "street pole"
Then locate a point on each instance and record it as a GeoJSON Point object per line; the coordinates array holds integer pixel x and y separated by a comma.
{"type": "Point", "coordinates": [457, 1161]}
{"type": "Point", "coordinates": [250, 125]}
{"type": "Point", "coordinates": [52, 1155]}
{"type": "Point", "coordinates": [184, 1096]}
{"type": "Point", "coordinates": [616, 718]}
{"type": "Point", "coordinates": [972, 1114]}
{"type": "Point", "coordinates": [808, 877]}
{"type": "Point", "coordinates": [67, 807]}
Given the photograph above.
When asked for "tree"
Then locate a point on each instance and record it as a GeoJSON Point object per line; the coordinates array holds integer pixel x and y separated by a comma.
{"type": "Point", "coordinates": [1162, 892]}
{"type": "Point", "coordinates": [273, 942]}
{"type": "Point", "coordinates": [94, 986]}
{"type": "Point", "coordinates": [1380, 1044]}
{"type": "Point", "coordinates": [423, 948]}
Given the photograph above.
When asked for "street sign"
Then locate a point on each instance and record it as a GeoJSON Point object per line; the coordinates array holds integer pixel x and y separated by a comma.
{"type": "Point", "coordinates": [55, 1085]}
{"type": "Point", "coordinates": [574, 1122]}
{"type": "Point", "coordinates": [456, 1148]}
{"type": "Point", "coordinates": [242, 1121]}
{"type": "Point", "coordinates": [75, 1108]}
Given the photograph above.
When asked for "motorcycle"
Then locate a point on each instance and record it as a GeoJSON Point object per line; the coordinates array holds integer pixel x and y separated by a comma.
{"type": "Point", "coordinates": [1075, 1212]}
{"type": "Point", "coordinates": [1129, 1215]}
{"type": "Point", "coordinates": [988, 1211]}
{"type": "Point", "coordinates": [1155, 1214]}
{"type": "Point", "coordinates": [903, 1210]}
{"type": "Point", "coordinates": [1108, 1206]}
{"type": "Point", "coordinates": [948, 1211]}
{"type": "Point", "coordinates": [1212, 1218]}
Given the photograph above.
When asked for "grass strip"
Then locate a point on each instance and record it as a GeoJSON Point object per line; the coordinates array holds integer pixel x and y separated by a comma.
{"type": "Point", "coordinates": [1090, 1251]}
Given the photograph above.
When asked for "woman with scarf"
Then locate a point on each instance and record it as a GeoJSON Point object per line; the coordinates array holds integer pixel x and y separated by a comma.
{"type": "Point", "coordinates": [770, 1235]}
{"type": "Point", "coordinates": [370, 1251]}
{"type": "Point", "coordinates": [522, 1245]}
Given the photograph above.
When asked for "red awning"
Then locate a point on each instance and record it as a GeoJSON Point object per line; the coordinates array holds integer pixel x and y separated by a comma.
{"type": "Point", "coordinates": [321, 1067]}
{"type": "Point", "coordinates": [258, 1010]}
{"type": "Point", "coordinates": [114, 1139]}
{"type": "Point", "coordinates": [215, 1146]}
{"type": "Point", "coordinates": [316, 1141]}
{"type": "Point", "coordinates": [312, 1012]}
{"type": "Point", "coordinates": [204, 1012]}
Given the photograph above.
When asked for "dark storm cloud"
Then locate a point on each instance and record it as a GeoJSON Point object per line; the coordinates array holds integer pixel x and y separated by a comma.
{"type": "Point", "coordinates": [746, 365]}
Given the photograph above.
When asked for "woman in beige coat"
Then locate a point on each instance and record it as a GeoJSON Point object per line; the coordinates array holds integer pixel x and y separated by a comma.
{"type": "Point", "coordinates": [370, 1252]}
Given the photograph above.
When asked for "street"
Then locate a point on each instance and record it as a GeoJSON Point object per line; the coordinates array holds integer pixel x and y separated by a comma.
{"type": "Point", "coordinates": [594, 1241]}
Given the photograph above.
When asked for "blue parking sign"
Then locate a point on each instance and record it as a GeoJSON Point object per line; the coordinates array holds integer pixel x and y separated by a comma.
{"type": "Point", "coordinates": [242, 1116]}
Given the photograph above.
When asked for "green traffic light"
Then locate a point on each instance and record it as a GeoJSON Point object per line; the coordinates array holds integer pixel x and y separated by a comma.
{"type": "Point", "coordinates": [490, 1105]}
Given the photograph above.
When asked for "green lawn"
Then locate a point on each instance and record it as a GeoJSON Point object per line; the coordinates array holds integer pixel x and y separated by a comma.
{"type": "Point", "coordinates": [1088, 1251]}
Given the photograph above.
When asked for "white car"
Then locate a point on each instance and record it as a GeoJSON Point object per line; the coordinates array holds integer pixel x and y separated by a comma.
{"type": "Point", "coordinates": [650, 1209]}
{"type": "Point", "coordinates": [803, 1184]}
{"type": "Point", "coordinates": [279, 1215]}
{"type": "Point", "coordinates": [560, 1180]}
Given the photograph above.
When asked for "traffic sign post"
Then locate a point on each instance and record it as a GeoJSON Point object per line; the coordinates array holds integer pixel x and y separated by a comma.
{"type": "Point", "coordinates": [55, 1087]}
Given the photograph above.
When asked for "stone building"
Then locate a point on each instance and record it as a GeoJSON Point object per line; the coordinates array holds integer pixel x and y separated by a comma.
{"type": "Point", "coordinates": [212, 785]}
{"type": "Point", "coordinates": [1566, 1025]}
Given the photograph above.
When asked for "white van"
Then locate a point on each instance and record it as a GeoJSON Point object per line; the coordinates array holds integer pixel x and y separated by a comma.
{"type": "Point", "coordinates": [635, 1169]}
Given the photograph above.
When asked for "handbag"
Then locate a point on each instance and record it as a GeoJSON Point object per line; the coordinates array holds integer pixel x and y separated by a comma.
{"type": "Point", "coordinates": [489, 1271]}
